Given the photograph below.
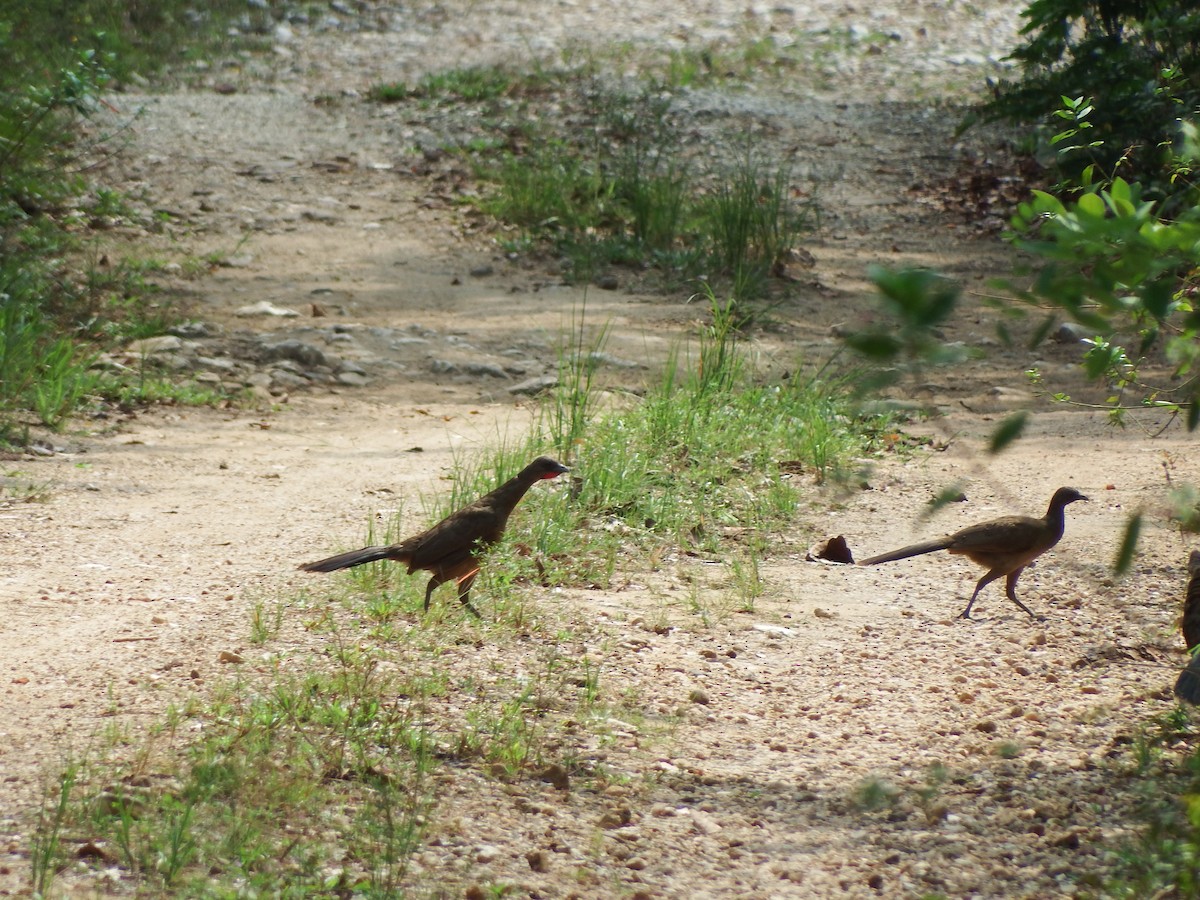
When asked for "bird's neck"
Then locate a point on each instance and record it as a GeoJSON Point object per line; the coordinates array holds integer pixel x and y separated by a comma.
{"type": "Point", "coordinates": [511, 491]}
{"type": "Point", "coordinates": [1056, 518]}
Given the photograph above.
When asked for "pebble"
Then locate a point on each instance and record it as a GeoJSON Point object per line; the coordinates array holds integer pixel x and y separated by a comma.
{"type": "Point", "coordinates": [486, 853]}
{"type": "Point", "coordinates": [265, 308]}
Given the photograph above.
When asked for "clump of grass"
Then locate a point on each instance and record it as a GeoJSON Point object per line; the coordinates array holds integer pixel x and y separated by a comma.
{"type": "Point", "coordinates": [630, 195]}
{"type": "Point", "coordinates": [472, 84]}
{"type": "Point", "coordinates": [1160, 860]}
{"type": "Point", "coordinates": [710, 459]}
{"type": "Point", "coordinates": [248, 803]}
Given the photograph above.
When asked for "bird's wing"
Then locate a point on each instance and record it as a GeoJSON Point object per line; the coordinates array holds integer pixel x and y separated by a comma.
{"type": "Point", "coordinates": [454, 535]}
{"type": "Point", "coordinates": [1014, 535]}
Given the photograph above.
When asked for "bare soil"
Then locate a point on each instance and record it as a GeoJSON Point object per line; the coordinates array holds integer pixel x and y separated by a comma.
{"type": "Point", "coordinates": [158, 533]}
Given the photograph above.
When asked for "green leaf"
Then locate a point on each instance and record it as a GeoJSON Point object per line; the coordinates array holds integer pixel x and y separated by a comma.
{"type": "Point", "coordinates": [1091, 205]}
{"type": "Point", "coordinates": [951, 493]}
{"type": "Point", "coordinates": [874, 344]}
{"type": "Point", "coordinates": [1129, 542]}
{"type": "Point", "coordinates": [1010, 429]}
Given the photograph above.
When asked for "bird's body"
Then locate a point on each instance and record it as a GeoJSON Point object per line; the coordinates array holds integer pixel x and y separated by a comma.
{"type": "Point", "coordinates": [1187, 686]}
{"type": "Point", "coordinates": [1004, 546]}
{"type": "Point", "coordinates": [449, 549]}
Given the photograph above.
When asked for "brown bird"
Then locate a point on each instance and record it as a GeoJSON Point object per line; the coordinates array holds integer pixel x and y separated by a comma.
{"type": "Point", "coordinates": [450, 548]}
{"type": "Point", "coordinates": [1005, 546]}
{"type": "Point", "coordinates": [1187, 686]}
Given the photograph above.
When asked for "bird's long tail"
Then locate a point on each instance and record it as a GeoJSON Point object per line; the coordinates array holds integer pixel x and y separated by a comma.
{"type": "Point", "coordinates": [352, 558]}
{"type": "Point", "coordinates": [906, 552]}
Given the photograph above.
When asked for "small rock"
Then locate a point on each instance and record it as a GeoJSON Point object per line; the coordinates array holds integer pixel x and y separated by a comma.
{"type": "Point", "coordinates": [216, 363]}
{"type": "Point", "coordinates": [483, 271]}
{"type": "Point", "coordinates": [834, 549]}
{"type": "Point", "coordinates": [539, 860]}
{"type": "Point", "coordinates": [699, 696]}
{"type": "Point", "coordinates": [92, 850]}
{"type": "Point", "coordinates": [283, 378]}
{"type": "Point", "coordinates": [164, 343]}
{"type": "Point", "coordinates": [306, 355]}
{"type": "Point", "coordinates": [608, 282]}
{"type": "Point", "coordinates": [265, 308]}
{"type": "Point", "coordinates": [486, 854]}
{"type": "Point", "coordinates": [607, 359]}
{"type": "Point", "coordinates": [193, 330]}
{"type": "Point", "coordinates": [616, 818]}
{"type": "Point", "coordinates": [352, 379]}
{"type": "Point", "coordinates": [531, 386]}
{"type": "Point", "coordinates": [227, 656]}
{"type": "Point", "coordinates": [557, 775]}
{"type": "Point", "coordinates": [1070, 333]}
{"type": "Point", "coordinates": [704, 823]}
{"type": "Point", "coordinates": [324, 216]}
{"type": "Point", "coordinates": [777, 630]}
{"type": "Point", "coordinates": [484, 368]}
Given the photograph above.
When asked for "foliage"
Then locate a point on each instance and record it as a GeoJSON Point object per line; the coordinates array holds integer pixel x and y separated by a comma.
{"type": "Point", "coordinates": [1139, 59]}
{"type": "Point", "coordinates": [1114, 265]}
{"type": "Point", "coordinates": [133, 36]}
{"type": "Point", "coordinates": [56, 306]}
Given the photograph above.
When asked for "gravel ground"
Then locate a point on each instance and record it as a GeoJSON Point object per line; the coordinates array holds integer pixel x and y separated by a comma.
{"type": "Point", "coordinates": [847, 736]}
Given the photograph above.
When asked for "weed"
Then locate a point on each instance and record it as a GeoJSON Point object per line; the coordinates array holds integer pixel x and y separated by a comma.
{"type": "Point", "coordinates": [875, 793]}
{"type": "Point", "coordinates": [1007, 749]}
{"type": "Point", "coordinates": [45, 856]}
{"type": "Point", "coordinates": [265, 622]}
{"type": "Point", "coordinates": [16, 488]}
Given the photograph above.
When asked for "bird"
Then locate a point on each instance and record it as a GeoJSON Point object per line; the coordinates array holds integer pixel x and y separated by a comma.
{"type": "Point", "coordinates": [1187, 686]}
{"type": "Point", "coordinates": [450, 549]}
{"type": "Point", "coordinates": [1005, 546]}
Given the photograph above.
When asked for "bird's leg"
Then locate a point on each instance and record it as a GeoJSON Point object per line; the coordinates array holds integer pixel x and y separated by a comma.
{"type": "Point", "coordinates": [980, 585]}
{"type": "Point", "coordinates": [433, 582]}
{"type": "Point", "coordinates": [464, 591]}
{"type": "Point", "coordinates": [1010, 590]}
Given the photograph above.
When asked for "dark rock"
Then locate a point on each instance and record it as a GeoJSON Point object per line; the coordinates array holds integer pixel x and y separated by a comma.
{"type": "Point", "coordinates": [531, 386]}
{"type": "Point", "coordinates": [834, 549]}
{"type": "Point", "coordinates": [306, 355]}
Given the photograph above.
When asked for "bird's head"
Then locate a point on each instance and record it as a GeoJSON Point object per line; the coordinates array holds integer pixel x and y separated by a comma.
{"type": "Point", "coordinates": [544, 467]}
{"type": "Point", "coordinates": [1065, 495]}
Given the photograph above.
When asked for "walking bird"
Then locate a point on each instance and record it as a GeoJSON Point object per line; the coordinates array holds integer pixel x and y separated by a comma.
{"type": "Point", "coordinates": [450, 549]}
{"type": "Point", "coordinates": [1005, 546]}
{"type": "Point", "coordinates": [1187, 686]}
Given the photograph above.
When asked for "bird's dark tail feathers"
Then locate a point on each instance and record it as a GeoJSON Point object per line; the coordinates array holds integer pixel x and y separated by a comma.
{"type": "Point", "coordinates": [353, 558]}
{"type": "Point", "coordinates": [1187, 686]}
{"type": "Point", "coordinates": [905, 552]}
